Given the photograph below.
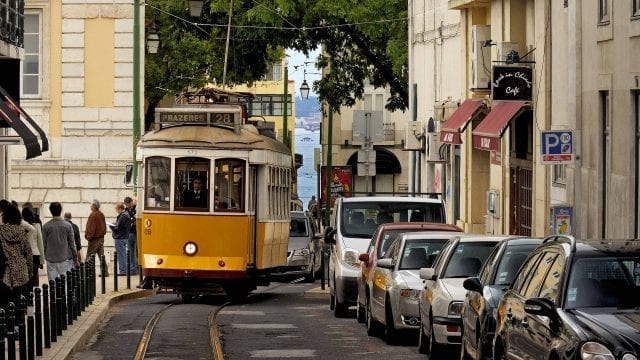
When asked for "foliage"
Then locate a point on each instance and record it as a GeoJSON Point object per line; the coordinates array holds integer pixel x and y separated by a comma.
{"type": "Point", "coordinates": [357, 46]}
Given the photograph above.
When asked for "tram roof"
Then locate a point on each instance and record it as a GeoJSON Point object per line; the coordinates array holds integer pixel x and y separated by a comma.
{"type": "Point", "coordinates": [211, 137]}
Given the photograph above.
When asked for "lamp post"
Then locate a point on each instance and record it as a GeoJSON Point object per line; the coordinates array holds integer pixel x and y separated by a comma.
{"type": "Point", "coordinates": [285, 116]}
{"type": "Point", "coordinates": [136, 90]}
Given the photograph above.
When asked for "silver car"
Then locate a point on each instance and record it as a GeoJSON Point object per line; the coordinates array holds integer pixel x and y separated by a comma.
{"type": "Point", "coordinates": [442, 296]}
{"type": "Point", "coordinates": [394, 288]}
{"type": "Point", "coordinates": [304, 250]}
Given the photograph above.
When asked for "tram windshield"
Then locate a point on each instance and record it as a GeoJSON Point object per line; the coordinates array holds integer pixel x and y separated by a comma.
{"type": "Point", "coordinates": [192, 184]}
{"type": "Point", "coordinates": [158, 180]}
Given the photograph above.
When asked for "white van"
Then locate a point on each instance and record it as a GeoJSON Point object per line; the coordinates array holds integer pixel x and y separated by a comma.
{"type": "Point", "coordinates": [353, 222]}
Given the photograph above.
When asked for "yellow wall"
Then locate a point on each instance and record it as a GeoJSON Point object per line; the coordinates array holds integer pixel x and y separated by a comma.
{"type": "Point", "coordinates": [98, 62]}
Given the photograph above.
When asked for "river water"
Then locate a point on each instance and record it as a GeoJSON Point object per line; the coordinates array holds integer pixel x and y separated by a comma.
{"type": "Point", "coordinates": [306, 141]}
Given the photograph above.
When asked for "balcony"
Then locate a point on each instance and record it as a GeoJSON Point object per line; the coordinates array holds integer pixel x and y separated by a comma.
{"type": "Point", "coordinates": [11, 25]}
{"type": "Point", "coordinates": [465, 4]}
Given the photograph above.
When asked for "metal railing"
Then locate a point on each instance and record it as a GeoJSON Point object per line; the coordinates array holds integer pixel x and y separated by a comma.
{"type": "Point", "coordinates": [12, 22]}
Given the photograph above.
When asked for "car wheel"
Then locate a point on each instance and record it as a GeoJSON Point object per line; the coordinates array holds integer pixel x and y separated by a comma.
{"type": "Point", "coordinates": [423, 340]}
{"type": "Point", "coordinates": [373, 328]}
{"type": "Point", "coordinates": [392, 332]}
{"type": "Point", "coordinates": [434, 347]}
{"type": "Point", "coordinates": [361, 314]}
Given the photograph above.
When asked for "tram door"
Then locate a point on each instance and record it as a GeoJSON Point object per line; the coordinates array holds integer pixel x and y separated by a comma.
{"type": "Point", "coordinates": [252, 210]}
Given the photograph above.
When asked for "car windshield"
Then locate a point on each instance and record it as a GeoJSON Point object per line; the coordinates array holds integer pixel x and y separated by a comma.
{"type": "Point", "coordinates": [361, 219]}
{"type": "Point", "coordinates": [467, 259]}
{"type": "Point", "coordinates": [420, 253]}
{"type": "Point", "coordinates": [512, 259]}
{"type": "Point", "coordinates": [604, 282]}
{"type": "Point", "coordinates": [298, 227]}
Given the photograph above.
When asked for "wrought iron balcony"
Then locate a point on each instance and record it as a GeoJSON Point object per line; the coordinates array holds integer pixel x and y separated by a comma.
{"type": "Point", "coordinates": [12, 22]}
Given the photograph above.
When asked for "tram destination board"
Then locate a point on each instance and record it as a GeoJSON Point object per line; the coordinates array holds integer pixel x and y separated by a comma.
{"type": "Point", "coordinates": [172, 117]}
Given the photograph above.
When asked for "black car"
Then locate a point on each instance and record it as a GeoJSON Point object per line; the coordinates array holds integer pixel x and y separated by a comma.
{"type": "Point", "coordinates": [485, 292]}
{"type": "Point", "coordinates": [573, 300]}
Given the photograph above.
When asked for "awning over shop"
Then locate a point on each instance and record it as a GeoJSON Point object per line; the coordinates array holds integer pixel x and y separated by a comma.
{"type": "Point", "coordinates": [13, 116]}
{"type": "Point", "coordinates": [487, 134]}
{"type": "Point", "coordinates": [450, 130]}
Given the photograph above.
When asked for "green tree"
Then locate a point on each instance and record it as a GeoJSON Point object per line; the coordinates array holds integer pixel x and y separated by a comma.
{"type": "Point", "coordinates": [362, 40]}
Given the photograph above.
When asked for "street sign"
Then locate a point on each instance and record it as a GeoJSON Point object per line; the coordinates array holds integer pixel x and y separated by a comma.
{"type": "Point", "coordinates": [557, 147]}
{"type": "Point", "coordinates": [367, 156]}
{"type": "Point", "coordinates": [366, 169]}
{"type": "Point", "coordinates": [367, 126]}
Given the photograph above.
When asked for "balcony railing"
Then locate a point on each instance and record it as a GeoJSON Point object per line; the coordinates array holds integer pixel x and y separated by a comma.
{"type": "Point", "coordinates": [389, 131]}
{"type": "Point", "coordinates": [12, 22]}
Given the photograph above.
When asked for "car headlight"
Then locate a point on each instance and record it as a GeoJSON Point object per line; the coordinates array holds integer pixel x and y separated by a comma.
{"type": "Point", "coordinates": [190, 248]}
{"type": "Point", "coordinates": [350, 256]}
{"type": "Point", "coordinates": [595, 351]}
{"type": "Point", "coordinates": [455, 308]}
{"type": "Point", "coordinates": [303, 252]}
{"type": "Point", "coordinates": [411, 294]}
{"type": "Point", "coordinates": [629, 357]}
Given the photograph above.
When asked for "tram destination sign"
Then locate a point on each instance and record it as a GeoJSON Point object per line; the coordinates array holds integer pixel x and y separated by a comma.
{"type": "Point", "coordinates": [512, 83]}
{"type": "Point", "coordinates": [170, 116]}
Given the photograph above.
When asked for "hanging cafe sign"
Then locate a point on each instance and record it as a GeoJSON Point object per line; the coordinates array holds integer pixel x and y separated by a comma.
{"type": "Point", "coordinates": [512, 83]}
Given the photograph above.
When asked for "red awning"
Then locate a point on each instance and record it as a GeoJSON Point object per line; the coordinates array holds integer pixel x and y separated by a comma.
{"type": "Point", "coordinates": [450, 130]}
{"type": "Point", "coordinates": [488, 133]}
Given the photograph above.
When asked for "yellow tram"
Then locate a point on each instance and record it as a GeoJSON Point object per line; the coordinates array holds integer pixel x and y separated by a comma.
{"type": "Point", "coordinates": [215, 201]}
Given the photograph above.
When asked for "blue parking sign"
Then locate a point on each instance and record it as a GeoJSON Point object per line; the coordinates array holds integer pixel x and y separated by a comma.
{"type": "Point", "coordinates": [557, 147]}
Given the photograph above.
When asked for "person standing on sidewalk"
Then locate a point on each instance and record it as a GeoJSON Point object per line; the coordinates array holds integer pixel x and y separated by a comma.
{"type": "Point", "coordinates": [131, 242]}
{"type": "Point", "coordinates": [16, 249]}
{"type": "Point", "coordinates": [37, 245]}
{"type": "Point", "coordinates": [94, 233]}
{"type": "Point", "coordinates": [76, 234]}
{"type": "Point", "coordinates": [59, 245]}
{"type": "Point", "coordinates": [120, 233]}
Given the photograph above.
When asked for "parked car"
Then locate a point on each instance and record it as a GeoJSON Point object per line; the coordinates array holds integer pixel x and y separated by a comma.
{"type": "Point", "coordinates": [380, 242]}
{"type": "Point", "coordinates": [304, 249]}
{"type": "Point", "coordinates": [352, 225]}
{"type": "Point", "coordinates": [573, 299]}
{"type": "Point", "coordinates": [394, 285]}
{"type": "Point", "coordinates": [442, 295]}
{"type": "Point", "coordinates": [484, 294]}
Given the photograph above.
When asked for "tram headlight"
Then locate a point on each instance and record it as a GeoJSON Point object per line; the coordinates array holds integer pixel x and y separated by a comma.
{"type": "Point", "coordinates": [190, 248]}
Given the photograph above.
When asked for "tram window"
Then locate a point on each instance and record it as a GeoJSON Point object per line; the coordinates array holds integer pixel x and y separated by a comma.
{"type": "Point", "coordinates": [158, 178]}
{"type": "Point", "coordinates": [229, 181]}
{"type": "Point", "coordinates": [192, 184]}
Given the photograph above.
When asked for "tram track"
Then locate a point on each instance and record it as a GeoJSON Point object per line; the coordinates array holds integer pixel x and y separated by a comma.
{"type": "Point", "coordinates": [214, 334]}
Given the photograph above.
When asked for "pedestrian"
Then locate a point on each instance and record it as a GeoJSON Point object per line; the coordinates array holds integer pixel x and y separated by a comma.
{"type": "Point", "coordinates": [16, 251]}
{"type": "Point", "coordinates": [59, 246]}
{"type": "Point", "coordinates": [37, 245]}
{"type": "Point", "coordinates": [120, 233]}
{"type": "Point", "coordinates": [94, 232]}
{"type": "Point", "coordinates": [35, 214]}
{"type": "Point", "coordinates": [132, 241]}
{"type": "Point", "coordinates": [76, 234]}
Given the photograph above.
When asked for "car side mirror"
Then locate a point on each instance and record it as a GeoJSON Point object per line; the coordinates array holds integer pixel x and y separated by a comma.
{"type": "Point", "coordinates": [473, 284]}
{"type": "Point", "coordinates": [364, 258]}
{"type": "Point", "coordinates": [386, 263]}
{"type": "Point", "coordinates": [540, 306]}
{"type": "Point", "coordinates": [329, 235]}
{"type": "Point", "coordinates": [427, 274]}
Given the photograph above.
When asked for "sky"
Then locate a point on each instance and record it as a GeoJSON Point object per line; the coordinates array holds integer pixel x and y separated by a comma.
{"type": "Point", "coordinates": [297, 59]}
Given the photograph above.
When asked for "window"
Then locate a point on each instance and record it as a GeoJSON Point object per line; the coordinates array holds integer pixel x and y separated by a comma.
{"type": "Point", "coordinates": [270, 105]}
{"type": "Point", "coordinates": [379, 102]}
{"type": "Point", "coordinates": [229, 185]}
{"type": "Point", "coordinates": [635, 8]}
{"type": "Point", "coordinates": [551, 284]}
{"type": "Point", "coordinates": [521, 281]}
{"type": "Point", "coordinates": [510, 263]}
{"type": "Point", "coordinates": [275, 72]}
{"type": "Point", "coordinates": [538, 276]}
{"type": "Point", "coordinates": [603, 11]}
{"type": "Point", "coordinates": [467, 259]}
{"type": "Point", "coordinates": [368, 102]}
{"type": "Point", "coordinates": [486, 268]}
{"type": "Point", "coordinates": [192, 184]}
{"type": "Point", "coordinates": [32, 63]}
{"type": "Point", "coordinates": [157, 183]}
{"type": "Point", "coordinates": [604, 169]}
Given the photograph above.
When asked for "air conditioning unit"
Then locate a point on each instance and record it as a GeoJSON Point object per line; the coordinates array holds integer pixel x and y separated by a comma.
{"type": "Point", "coordinates": [504, 48]}
{"type": "Point", "coordinates": [433, 147]}
{"type": "Point", "coordinates": [480, 57]}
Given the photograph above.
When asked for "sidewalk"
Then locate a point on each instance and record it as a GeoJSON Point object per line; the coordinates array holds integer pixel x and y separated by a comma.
{"type": "Point", "coordinates": [76, 336]}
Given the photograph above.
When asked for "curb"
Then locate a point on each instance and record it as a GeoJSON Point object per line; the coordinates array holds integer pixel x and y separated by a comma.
{"type": "Point", "coordinates": [317, 293]}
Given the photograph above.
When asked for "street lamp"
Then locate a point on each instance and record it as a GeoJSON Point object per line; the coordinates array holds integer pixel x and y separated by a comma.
{"type": "Point", "coordinates": [153, 41]}
{"type": "Point", "coordinates": [195, 8]}
{"type": "Point", "coordinates": [304, 89]}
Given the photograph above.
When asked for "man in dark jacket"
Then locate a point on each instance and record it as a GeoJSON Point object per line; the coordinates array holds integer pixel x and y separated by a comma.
{"type": "Point", "coordinates": [120, 233]}
{"type": "Point", "coordinates": [59, 246]}
{"type": "Point", "coordinates": [76, 233]}
{"type": "Point", "coordinates": [130, 208]}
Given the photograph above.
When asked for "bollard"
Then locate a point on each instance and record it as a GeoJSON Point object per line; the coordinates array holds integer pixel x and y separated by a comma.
{"type": "Point", "coordinates": [22, 327]}
{"type": "Point", "coordinates": [30, 298]}
{"type": "Point", "coordinates": [11, 332]}
{"type": "Point", "coordinates": [46, 323]}
{"type": "Point", "coordinates": [3, 331]}
{"type": "Point", "coordinates": [103, 269]}
{"type": "Point", "coordinates": [128, 263]}
{"type": "Point", "coordinates": [322, 269]}
{"type": "Point", "coordinates": [38, 319]}
{"type": "Point", "coordinates": [31, 341]}
{"type": "Point", "coordinates": [92, 281]}
{"type": "Point", "coordinates": [115, 271]}
{"type": "Point", "coordinates": [61, 301]}
{"type": "Point", "coordinates": [82, 289]}
{"type": "Point", "coordinates": [139, 274]}
{"type": "Point", "coordinates": [70, 309]}
{"type": "Point", "coordinates": [53, 311]}
{"type": "Point", "coordinates": [76, 293]}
